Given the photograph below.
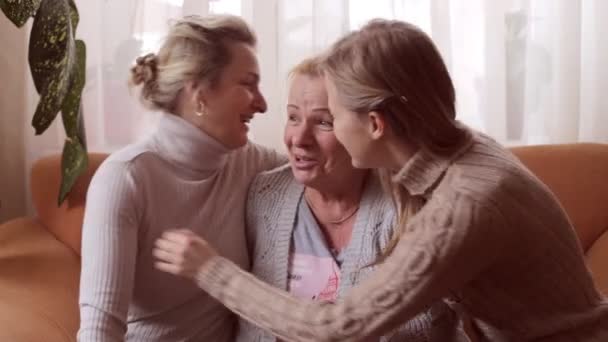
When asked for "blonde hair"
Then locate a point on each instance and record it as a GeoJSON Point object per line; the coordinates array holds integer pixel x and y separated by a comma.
{"type": "Point", "coordinates": [195, 49]}
{"type": "Point", "coordinates": [309, 67]}
{"type": "Point", "coordinates": [394, 68]}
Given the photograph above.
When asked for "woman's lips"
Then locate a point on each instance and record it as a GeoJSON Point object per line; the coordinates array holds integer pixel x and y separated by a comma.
{"type": "Point", "coordinates": [304, 163]}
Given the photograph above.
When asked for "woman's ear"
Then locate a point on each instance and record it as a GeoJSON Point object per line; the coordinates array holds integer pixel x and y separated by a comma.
{"type": "Point", "coordinates": [376, 124]}
{"type": "Point", "coordinates": [200, 92]}
{"type": "Point", "coordinates": [193, 100]}
{"type": "Point", "coordinates": [191, 91]}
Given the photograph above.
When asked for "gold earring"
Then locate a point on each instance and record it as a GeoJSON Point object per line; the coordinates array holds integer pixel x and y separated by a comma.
{"type": "Point", "coordinates": [201, 111]}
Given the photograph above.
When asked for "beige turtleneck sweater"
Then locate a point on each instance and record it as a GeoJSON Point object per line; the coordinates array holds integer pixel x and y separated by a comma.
{"type": "Point", "coordinates": [180, 177]}
{"type": "Point", "coordinates": [491, 237]}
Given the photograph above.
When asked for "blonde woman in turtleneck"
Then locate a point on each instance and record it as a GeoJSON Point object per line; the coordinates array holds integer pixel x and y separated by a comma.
{"type": "Point", "coordinates": [194, 171]}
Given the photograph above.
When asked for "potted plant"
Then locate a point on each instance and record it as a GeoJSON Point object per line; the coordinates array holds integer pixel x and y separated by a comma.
{"type": "Point", "coordinates": [57, 63]}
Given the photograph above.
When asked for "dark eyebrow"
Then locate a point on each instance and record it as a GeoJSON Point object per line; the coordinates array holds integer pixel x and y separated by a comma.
{"type": "Point", "coordinates": [292, 106]}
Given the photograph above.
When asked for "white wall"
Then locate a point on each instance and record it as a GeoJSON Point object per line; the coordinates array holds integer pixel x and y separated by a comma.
{"type": "Point", "coordinates": [13, 117]}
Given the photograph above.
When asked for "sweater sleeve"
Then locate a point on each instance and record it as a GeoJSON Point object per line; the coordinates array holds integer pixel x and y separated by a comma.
{"type": "Point", "coordinates": [109, 249]}
{"type": "Point", "coordinates": [450, 241]}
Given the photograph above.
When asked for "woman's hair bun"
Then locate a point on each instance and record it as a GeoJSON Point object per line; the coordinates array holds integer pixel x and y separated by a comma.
{"type": "Point", "coordinates": [145, 69]}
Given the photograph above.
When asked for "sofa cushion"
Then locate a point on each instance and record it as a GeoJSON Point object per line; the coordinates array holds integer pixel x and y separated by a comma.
{"type": "Point", "coordinates": [38, 284]}
{"type": "Point", "coordinates": [64, 222]}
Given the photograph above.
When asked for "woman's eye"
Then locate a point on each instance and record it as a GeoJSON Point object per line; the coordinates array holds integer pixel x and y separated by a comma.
{"type": "Point", "coordinates": [249, 85]}
{"type": "Point", "coordinates": [326, 124]}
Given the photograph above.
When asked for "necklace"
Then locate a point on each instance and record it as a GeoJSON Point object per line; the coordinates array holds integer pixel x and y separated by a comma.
{"type": "Point", "coordinates": [329, 222]}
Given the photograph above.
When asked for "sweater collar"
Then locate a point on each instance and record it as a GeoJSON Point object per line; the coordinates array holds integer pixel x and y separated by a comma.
{"type": "Point", "coordinates": [425, 169]}
{"type": "Point", "coordinates": [187, 146]}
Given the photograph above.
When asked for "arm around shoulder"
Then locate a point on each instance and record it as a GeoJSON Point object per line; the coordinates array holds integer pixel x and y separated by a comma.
{"type": "Point", "coordinates": [266, 158]}
{"type": "Point", "coordinates": [447, 244]}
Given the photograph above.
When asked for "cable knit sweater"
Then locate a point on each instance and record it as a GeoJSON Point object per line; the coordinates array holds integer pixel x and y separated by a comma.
{"type": "Point", "coordinates": [491, 235]}
{"type": "Point", "coordinates": [271, 213]}
{"type": "Point", "coordinates": [178, 178]}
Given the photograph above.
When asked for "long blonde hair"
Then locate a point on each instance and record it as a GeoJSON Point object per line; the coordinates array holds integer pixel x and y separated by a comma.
{"type": "Point", "coordinates": [394, 68]}
{"type": "Point", "coordinates": [195, 49]}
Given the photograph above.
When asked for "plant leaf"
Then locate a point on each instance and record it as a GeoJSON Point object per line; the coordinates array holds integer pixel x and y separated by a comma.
{"type": "Point", "coordinates": [51, 40]}
{"type": "Point", "coordinates": [82, 134]}
{"type": "Point", "coordinates": [50, 102]}
{"type": "Point", "coordinates": [51, 55]}
{"type": "Point", "coordinates": [19, 11]}
{"type": "Point", "coordinates": [75, 17]}
{"type": "Point", "coordinates": [74, 162]}
{"type": "Point", "coordinates": [70, 110]}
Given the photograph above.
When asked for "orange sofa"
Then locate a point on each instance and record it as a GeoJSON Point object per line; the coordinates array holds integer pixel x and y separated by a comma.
{"type": "Point", "coordinates": [39, 256]}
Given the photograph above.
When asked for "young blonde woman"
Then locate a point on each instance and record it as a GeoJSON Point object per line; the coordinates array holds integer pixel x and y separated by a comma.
{"type": "Point", "coordinates": [194, 171]}
{"type": "Point", "coordinates": [477, 226]}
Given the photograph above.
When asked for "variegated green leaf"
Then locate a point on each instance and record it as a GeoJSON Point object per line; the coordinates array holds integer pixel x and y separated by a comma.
{"type": "Point", "coordinates": [70, 110]}
{"type": "Point", "coordinates": [51, 55]}
{"type": "Point", "coordinates": [57, 63]}
{"type": "Point", "coordinates": [74, 162]}
{"type": "Point", "coordinates": [51, 40]}
{"type": "Point", "coordinates": [82, 135]}
{"type": "Point", "coordinates": [51, 99]}
{"type": "Point", "coordinates": [19, 11]}
{"type": "Point", "coordinates": [74, 15]}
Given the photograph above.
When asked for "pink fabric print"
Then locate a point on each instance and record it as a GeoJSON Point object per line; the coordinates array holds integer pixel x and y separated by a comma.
{"type": "Point", "coordinates": [312, 277]}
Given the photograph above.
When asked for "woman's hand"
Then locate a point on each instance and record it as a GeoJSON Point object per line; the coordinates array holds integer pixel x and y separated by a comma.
{"type": "Point", "coordinates": [181, 252]}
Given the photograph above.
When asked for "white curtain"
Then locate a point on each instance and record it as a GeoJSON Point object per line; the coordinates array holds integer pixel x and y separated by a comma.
{"type": "Point", "coordinates": [526, 71]}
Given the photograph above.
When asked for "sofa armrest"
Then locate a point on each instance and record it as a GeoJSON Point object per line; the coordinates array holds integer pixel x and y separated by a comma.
{"type": "Point", "coordinates": [597, 261]}
{"type": "Point", "coordinates": [65, 221]}
{"type": "Point", "coordinates": [39, 279]}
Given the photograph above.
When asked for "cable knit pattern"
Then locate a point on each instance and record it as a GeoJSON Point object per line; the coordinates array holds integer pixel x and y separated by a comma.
{"type": "Point", "coordinates": [178, 178]}
{"type": "Point", "coordinates": [271, 213]}
{"type": "Point", "coordinates": [491, 236]}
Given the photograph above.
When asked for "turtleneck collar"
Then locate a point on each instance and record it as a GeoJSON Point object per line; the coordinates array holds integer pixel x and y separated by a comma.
{"type": "Point", "coordinates": [182, 143]}
{"type": "Point", "coordinates": [425, 169]}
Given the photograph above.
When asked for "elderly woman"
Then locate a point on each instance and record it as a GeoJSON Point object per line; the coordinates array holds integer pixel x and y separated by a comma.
{"type": "Point", "coordinates": [317, 225]}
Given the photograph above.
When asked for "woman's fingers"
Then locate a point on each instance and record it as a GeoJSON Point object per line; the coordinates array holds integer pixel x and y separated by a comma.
{"type": "Point", "coordinates": [168, 245]}
{"type": "Point", "coordinates": [176, 253]}
{"type": "Point", "coordinates": [167, 255]}
{"type": "Point", "coordinates": [183, 241]}
{"type": "Point", "coordinates": [181, 252]}
{"type": "Point", "coordinates": [177, 235]}
{"type": "Point", "coordinates": [179, 242]}
{"type": "Point", "coordinates": [168, 267]}
{"type": "Point", "coordinates": [173, 263]}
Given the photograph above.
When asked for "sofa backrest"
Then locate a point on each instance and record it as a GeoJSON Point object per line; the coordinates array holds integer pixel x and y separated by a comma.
{"type": "Point", "coordinates": [576, 173]}
{"type": "Point", "coordinates": [65, 222]}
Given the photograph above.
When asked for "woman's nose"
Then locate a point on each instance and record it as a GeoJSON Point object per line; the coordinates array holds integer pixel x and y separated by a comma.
{"type": "Point", "coordinates": [302, 136]}
{"type": "Point", "coordinates": [259, 103]}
